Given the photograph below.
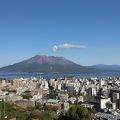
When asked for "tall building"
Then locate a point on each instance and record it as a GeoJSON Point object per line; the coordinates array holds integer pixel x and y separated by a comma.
{"type": "Point", "coordinates": [17, 83]}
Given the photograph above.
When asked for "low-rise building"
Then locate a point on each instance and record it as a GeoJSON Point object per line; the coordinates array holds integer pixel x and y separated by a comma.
{"type": "Point", "coordinates": [53, 102]}
{"type": "Point", "coordinates": [106, 116]}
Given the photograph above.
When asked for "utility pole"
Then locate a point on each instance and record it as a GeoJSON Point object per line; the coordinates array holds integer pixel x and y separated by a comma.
{"type": "Point", "coordinates": [4, 109]}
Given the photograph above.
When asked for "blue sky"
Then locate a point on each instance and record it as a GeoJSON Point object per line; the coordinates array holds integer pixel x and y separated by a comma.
{"type": "Point", "coordinates": [31, 27]}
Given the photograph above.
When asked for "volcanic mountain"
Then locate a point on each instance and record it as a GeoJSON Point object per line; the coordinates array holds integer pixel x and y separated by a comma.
{"type": "Point", "coordinates": [46, 64]}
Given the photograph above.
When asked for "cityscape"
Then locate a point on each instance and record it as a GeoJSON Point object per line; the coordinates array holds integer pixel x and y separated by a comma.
{"type": "Point", "coordinates": [55, 98]}
{"type": "Point", "coordinates": [59, 60]}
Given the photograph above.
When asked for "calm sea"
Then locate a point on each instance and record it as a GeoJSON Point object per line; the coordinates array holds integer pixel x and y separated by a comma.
{"type": "Point", "coordinates": [48, 76]}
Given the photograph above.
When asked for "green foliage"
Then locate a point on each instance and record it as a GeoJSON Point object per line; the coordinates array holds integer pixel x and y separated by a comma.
{"type": "Point", "coordinates": [47, 108]}
{"type": "Point", "coordinates": [46, 116]}
{"type": "Point", "coordinates": [77, 112]}
{"type": "Point", "coordinates": [38, 106]}
{"type": "Point", "coordinates": [51, 108]}
{"type": "Point", "coordinates": [53, 94]}
{"type": "Point", "coordinates": [27, 96]}
{"type": "Point", "coordinates": [93, 110]}
{"type": "Point", "coordinates": [30, 108]}
{"type": "Point", "coordinates": [11, 111]}
{"type": "Point", "coordinates": [55, 108]}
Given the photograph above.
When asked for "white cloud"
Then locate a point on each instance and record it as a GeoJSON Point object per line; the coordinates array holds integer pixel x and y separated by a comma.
{"type": "Point", "coordinates": [67, 46]}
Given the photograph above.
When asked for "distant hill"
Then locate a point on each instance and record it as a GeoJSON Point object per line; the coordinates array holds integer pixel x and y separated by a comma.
{"type": "Point", "coordinates": [106, 67]}
{"type": "Point", "coordinates": [47, 64]}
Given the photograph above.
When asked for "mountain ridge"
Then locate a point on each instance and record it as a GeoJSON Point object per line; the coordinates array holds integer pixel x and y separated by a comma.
{"type": "Point", "coordinates": [106, 67]}
{"type": "Point", "coordinates": [49, 64]}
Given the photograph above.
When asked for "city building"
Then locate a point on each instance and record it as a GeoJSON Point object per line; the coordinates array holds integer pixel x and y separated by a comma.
{"type": "Point", "coordinates": [17, 83]}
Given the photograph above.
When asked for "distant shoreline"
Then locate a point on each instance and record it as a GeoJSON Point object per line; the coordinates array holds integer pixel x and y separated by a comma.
{"type": "Point", "coordinates": [58, 75]}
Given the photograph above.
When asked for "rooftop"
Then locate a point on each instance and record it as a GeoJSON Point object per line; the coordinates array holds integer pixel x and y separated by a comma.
{"type": "Point", "coordinates": [108, 116]}
{"type": "Point", "coordinates": [53, 101]}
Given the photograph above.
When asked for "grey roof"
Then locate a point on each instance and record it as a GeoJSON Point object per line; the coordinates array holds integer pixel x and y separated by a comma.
{"type": "Point", "coordinates": [107, 116]}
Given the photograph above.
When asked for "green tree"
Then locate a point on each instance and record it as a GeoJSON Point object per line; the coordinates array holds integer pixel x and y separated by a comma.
{"type": "Point", "coordinates": [38, 105]}
{"type": "Point", "coordinates": [46, 116]}
{"type": "Point", "coordinates": [77, 112]}
{"type": "Point", "coordinates": [27, 96]}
